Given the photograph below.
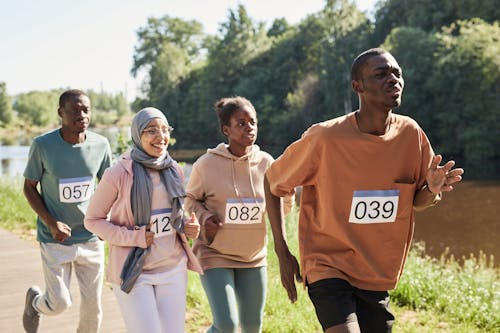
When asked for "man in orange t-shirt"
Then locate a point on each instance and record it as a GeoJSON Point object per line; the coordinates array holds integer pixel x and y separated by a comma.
{"type": "Point", "coordinates": [362, 175]}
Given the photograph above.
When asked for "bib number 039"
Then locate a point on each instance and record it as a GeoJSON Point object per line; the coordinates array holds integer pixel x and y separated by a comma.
{"type": "Point", "coordinates": [244, 210]}
{"type": "Point", "coordinates": [374, 206]}
{"type": "Point", "coordinates": [72, 190]}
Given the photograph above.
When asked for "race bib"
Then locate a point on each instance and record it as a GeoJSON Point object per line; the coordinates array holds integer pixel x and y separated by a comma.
{"type": "Point", "coordinates": [73, 190]}
{"type": "Point", "coordinates": [244, 211]}
{"type": "Point", "coordinates": [374, 206]}
{"type": "Point", "coordinates": [160, 222]}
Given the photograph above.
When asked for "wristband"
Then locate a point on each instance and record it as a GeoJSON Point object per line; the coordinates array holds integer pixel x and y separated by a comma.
{"type": "Point", "coordinates": [426, 187]}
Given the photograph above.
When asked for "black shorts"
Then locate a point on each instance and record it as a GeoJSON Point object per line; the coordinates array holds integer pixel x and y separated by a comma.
{"type": "Point", "coordinates": [338, 303]}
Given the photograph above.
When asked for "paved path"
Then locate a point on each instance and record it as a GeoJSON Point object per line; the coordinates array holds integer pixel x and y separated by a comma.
{"type": "Point", "coordinates": [20, 267]}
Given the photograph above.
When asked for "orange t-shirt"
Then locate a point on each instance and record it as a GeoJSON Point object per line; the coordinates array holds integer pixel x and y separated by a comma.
{"type": "Point", "coordinates": [356, 213]}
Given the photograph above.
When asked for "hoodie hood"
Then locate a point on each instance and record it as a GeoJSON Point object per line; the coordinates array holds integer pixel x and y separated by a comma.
{"type": "Point", "coordinates": [222, 150]}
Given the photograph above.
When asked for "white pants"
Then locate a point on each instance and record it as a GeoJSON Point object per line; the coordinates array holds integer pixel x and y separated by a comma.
{"type": "Point", "coordinates": [156, 303]}
{"type": "Point", "coordinates": [58, 261]}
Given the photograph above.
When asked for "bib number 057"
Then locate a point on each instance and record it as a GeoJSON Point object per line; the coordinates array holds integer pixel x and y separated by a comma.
{"type": "Point", "coordinates": [73, 190]}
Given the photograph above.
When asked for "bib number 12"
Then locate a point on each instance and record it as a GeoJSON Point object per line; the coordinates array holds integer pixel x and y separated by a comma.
{"type": "Point", "coordinates": [160, 222]}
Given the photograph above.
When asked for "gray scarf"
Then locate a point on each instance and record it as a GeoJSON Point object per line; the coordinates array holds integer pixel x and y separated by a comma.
{"type": "Point", "coordinates": [142, 189]}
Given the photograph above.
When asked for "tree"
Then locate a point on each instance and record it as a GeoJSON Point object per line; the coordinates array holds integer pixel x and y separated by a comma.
{"type": "Point", "coordinates": [107, 108]}
{"type": "Point", "coordinates": [168, 49]}
{"type": "Point", "coordinates": [279, 27]}
{"type": "Point", "coordinates": [415, 52]}
{"type": "Point", "coordinates": [282, 84]}
{"type": "Point", "coordinates": [6, 114]}
{"type": "Point", "coordinates": [159, 32]}
{"type": "Point", "coordinates": [430, 15]}
{"type": "Point", "coordinates": [467, 81]}
{"type": "Point", "coordinates": [347, 31]}
{"type": "Point", "coordinates": [38, 108]}
{"type": "Point", "coordinates": [240, 42]}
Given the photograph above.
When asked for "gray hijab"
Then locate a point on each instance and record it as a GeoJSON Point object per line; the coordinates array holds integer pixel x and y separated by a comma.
{"type": "Point", "coordinates": [142, 187]}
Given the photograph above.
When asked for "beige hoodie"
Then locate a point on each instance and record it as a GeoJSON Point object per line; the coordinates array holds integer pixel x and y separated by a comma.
{"type": "Point", "coordinates": [233, 189]}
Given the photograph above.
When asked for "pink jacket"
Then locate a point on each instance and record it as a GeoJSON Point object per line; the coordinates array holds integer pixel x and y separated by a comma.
{"type": "Point", "coordinates": [110, 217]}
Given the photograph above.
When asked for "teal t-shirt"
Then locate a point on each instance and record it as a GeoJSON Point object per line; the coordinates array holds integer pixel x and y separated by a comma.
{"type": "Point", "coordinates": [67, 178]}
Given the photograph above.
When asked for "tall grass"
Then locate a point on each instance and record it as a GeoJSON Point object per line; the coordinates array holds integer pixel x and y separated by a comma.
{"type": "Point", "coordinates": [466, 293]}
{"type": "Point", "coordinates": [434, 295]}
{"type": "Point", "coordinates": [15, 213]}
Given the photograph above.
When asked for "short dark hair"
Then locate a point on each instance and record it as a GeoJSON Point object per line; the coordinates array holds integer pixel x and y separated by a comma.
{"type": "Point", "coordinates": [227, 106]}
{"type": "Point", "coordinates": [361, 59]}
{"type": "Point", "coordinates": [69, 94]}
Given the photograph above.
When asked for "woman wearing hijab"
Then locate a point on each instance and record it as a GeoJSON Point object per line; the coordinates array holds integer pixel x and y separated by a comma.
{"type": "Point", "coordinates": [226, 191]}
{"type": "Point", "coordinates": [138, 209]}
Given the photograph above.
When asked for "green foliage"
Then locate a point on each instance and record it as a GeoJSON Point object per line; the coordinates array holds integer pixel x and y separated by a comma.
{"type": "Point", "coordinates": [280, 314]}
{"type": "Point", "coordinates": [451, 89]}
{"type": "Point", "coordinates": [160, 32]}
{"type": "Point", "coordinates": [347, 31]}
{"type": "Point", "coordinates": [418, 98]}
{"type": "Point", "coordinates": [107, 109]}
{"type": "Point", "coordinates": [38, 108]}
{"type": "Point", "coordinates": [467, 293]}
{"type": "Point", "coordinates": [123, 144]}
{"type": "Point", "coordinates": [228, 58]}
{"type": "Point", "coordinates": [468, 73]}
{"type": "Point", "coordinates": [6, 114]}
{"type": "Point", "coordinates": [279, 27]}
{"type": "Point", "coordinates": [298, 75]}
{"type": "Point", "coordinates": [198, 314]}
{"type": "Point", "coordinates": [17, 214]}
{"type": "Point", "coordinates": [430, 15]}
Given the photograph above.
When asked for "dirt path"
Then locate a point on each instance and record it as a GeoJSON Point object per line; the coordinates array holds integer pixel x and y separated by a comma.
{"type": "Point", "coordinates": [20, 268]}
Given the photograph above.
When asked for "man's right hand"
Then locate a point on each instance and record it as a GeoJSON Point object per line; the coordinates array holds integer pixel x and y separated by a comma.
{"type": "Point", "coordinates": [60, 231]}
{"type": "Point", "coordinates": [212, 225]}
{"type": "Point", "coordinates": [289, 271]}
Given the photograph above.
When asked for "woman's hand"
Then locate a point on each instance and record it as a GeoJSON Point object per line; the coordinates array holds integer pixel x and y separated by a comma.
{"type": "Point", "coordinates": [212, 225]}
{"type": "Point", "coordinates": [150, 236]}
{"type": "Point", "coordinates": [192, 227]}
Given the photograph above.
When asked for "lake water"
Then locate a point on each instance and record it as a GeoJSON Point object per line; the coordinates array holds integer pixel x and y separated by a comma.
{"type": "Point", "coordinates": [466, 222]}
{"type": "Point", "coordinates": [13, 160]}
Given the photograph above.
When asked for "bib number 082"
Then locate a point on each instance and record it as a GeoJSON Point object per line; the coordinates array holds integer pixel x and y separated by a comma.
{"type": "Point", "coordinates": [244, 211]}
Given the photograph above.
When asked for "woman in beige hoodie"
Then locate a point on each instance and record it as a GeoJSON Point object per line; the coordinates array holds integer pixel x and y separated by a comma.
{"type": "Point", "coordinates": [226, 191]}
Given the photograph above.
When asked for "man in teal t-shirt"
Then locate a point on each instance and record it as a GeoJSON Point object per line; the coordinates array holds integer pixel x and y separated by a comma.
{"type": "Point", "coordinates": [65, 163]}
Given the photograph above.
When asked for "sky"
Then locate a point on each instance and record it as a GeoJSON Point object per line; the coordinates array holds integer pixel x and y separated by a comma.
{"type": "Point", "coordinates": [51, 44]}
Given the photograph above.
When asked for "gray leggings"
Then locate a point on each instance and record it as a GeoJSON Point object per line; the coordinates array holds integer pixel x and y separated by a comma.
{"type": "Point", "coordinates": [236, 296]}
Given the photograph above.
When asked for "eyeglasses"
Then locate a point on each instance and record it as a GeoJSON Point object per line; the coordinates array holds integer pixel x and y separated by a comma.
{"type": "Point", "coordinates": [154, 131]}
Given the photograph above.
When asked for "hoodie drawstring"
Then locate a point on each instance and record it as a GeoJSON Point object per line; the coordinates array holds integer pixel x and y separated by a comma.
{"type": "Point", "coordinates": [251, 180]}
